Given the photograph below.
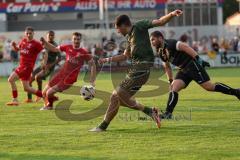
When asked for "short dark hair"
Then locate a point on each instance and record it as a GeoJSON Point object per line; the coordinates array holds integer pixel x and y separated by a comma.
{"type": "Point", "coordinates": [77, 34]}
{"type": "Point", "coordinates": [29, 28]}
{"type": "Point", "coordinates": [123, 20]}
{"type": "Point", "coordinates": [157, 34]}
{"type": "Point", "coordinates": [51, 32]}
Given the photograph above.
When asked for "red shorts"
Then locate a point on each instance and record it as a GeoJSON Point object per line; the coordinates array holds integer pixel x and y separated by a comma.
{"type": "Point", "coordinates": [62, 81]}
{"type": "Point", "coordinates": [24, 72]}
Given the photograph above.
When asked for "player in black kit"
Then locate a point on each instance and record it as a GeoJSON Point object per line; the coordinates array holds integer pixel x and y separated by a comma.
{"type": "Point", "coordinates": [191, 68]}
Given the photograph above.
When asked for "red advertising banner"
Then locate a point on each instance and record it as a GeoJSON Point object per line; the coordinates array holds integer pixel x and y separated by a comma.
{"type": "Point", "coordinates": [83, 5]}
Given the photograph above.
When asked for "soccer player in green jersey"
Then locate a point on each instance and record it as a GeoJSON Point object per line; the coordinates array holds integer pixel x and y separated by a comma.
{"type": "Point", "coordinates": [42, 72]}
{"type": "Point", "coordinates": [140, 52]}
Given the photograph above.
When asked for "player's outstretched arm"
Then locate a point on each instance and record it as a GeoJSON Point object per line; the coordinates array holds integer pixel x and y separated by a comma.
{"type": "Point", "coordinates": [117, 58]}
{"type": "Point", "coordinates": [165, 19]}
{"type": "Point", "coordinates": [186, 49]}
{"type": "Point", "coordinates": [92, 67]}
{"type": "Point", "coordinates": [168, 70]}
{"type": "Point", "coordinates": [49, 46]}
{"type": "Point", "coordinates": [191, 52]}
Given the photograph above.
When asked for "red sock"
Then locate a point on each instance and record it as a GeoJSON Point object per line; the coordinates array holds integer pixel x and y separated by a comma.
{"type": "Point", "coordinates": [50, 101]}
{"type": "Point", "coordinates": [55, 98]}
{"type": "Point", "coordinates": [39, 93]}
{"type": "Point", "coordinates": [14, 93]}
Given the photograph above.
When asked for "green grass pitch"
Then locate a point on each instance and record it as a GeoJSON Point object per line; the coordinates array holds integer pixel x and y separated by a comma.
{"type": "Point", "coordinates": [207, 126]}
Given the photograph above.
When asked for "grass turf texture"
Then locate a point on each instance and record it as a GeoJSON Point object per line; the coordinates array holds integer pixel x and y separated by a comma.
{"type": "Point", "coordinates": [213, 132]}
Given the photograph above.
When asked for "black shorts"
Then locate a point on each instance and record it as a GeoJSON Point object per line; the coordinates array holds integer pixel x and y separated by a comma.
{"type": "Point", "coordinates": [134, 81]}
{"type": "Point", "coordinates": [46, 73]}
{"type": "Point", "coordinates": [193, 71]}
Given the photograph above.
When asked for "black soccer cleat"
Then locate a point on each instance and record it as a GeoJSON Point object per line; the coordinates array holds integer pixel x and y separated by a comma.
{"type": "Point", "coordinates": [165, 115]}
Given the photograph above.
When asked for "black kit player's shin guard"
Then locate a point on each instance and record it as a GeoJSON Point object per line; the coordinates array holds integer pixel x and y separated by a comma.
{"type": "Point", "coordinates": [172, 101]}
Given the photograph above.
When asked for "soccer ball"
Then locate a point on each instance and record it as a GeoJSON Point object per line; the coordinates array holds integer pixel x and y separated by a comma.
{"type": "Point", "coordinates": [87, 92]}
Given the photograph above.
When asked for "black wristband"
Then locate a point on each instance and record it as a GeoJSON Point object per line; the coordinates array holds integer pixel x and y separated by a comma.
{"type": "Point", "coordinates": [170, 81]}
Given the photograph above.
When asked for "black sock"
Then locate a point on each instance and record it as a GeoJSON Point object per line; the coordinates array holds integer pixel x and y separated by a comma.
{"type": "Point", "coordinates": [147, 111]}
{"type": "Point", "coordinates": [220, 87]}
{"type": "Point", "coordinates": [172, 101]}
{"type": "Point", "coordinates": [39, 83]}
{"type": "Point", "coordinates": [103, 125]}
{"type": "Point", "coordinates": [29, 96]}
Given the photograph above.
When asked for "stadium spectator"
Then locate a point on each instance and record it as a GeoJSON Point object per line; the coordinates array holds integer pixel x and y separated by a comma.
{"type": "Point", "coordinates": [1, 56]}
{"type": "Point", "coordinates": [238, 46]}
{"type": "Point", "coordinates": [215, 45]}
{"type": "Point", "coordinates": [7, 50]}
{"type": "Point", "coordinates": [234, 43]}
{"type": "Point", "coordinates": [195, 46]}
{"type": "Point", "coordinates": [224, 47]}
{"type": "Point", "coordinates": [202, 48]}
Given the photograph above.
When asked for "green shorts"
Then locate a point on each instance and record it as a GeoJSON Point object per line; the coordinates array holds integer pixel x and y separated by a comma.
{"type": "Point", "coordinates": [134, 81]}
{"type": "Point", "coordinates": [46, 74]}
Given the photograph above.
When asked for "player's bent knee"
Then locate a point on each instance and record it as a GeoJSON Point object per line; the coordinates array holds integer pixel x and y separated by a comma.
{"type": "Point", "coordinates": [50, 92]}
{"type": "Point", "coordinates": [44, 94]}
{"type": "Point", "coordinates": [209, 87]}
{"type": "Point", "coordinates": [10, 80]}
{"type": "Point", "coordinates": [26, 88]}
{"type": "Point", "coordinates": [36, 77]}
{"type": "Point", "coordinates": [114, 96]}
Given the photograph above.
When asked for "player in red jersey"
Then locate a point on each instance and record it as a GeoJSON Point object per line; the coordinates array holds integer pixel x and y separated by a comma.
{"type": "Point", "coordinates": [29, 49]}
{"type": "Point", "coordinates": [67, 75]}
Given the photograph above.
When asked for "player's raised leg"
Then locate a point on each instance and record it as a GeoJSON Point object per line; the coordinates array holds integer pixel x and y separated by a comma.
{"type": "Point", "coordinates": [127, 101]}
{"type": "Point", "coordinates": [12, 80]}
{"type": "Point", "coordinates": [32, 79]}
{"type": "Point", "coordinates": [124, 98]}
{"type": "Point", "coordinates": [39, 77]}
{"type": "Point", "coordinates": [29, 89]}
{"type": "Point", "coordinates": [220, 87]}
